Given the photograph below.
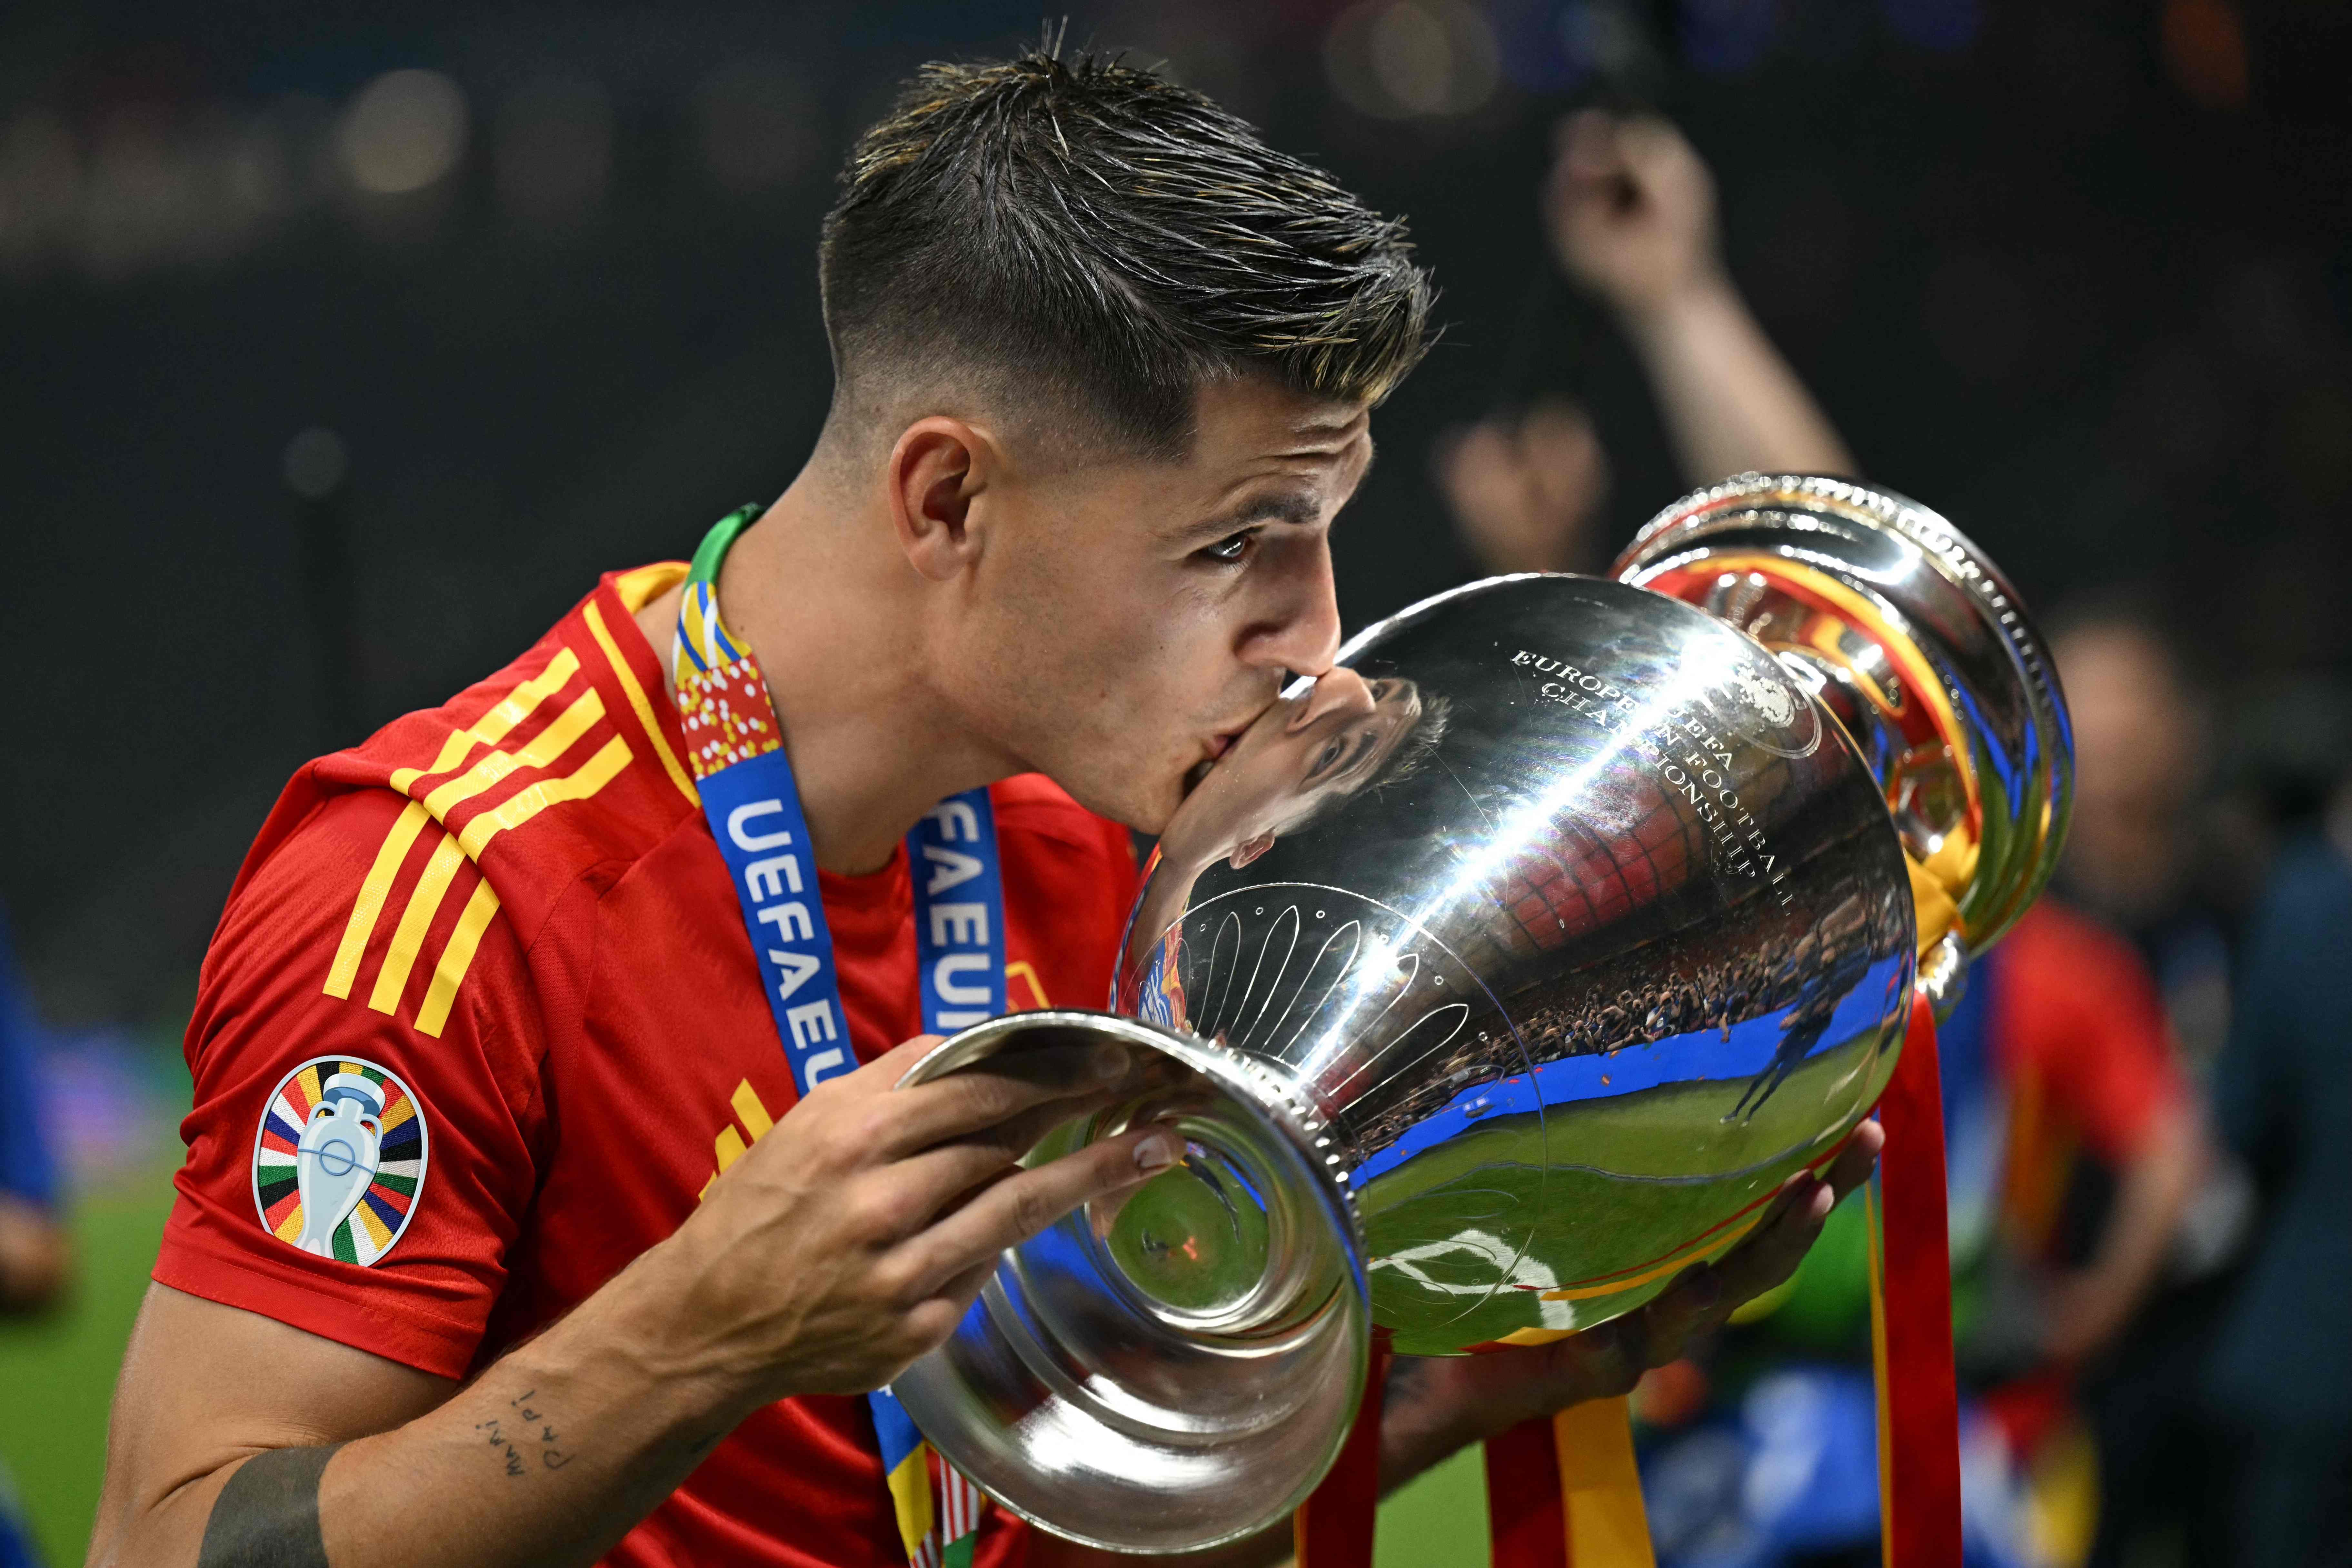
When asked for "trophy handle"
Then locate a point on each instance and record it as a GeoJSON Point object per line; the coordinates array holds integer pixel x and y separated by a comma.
{"type": "Point", "coordinates": [1908, 634]}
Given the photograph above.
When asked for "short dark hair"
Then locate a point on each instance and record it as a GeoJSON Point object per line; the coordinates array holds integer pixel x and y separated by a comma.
{"type": "Point", "coordinates": [1096, 233]}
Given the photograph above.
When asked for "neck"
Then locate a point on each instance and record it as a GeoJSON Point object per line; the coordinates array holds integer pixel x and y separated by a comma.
{"type": "Point", "coordinates": [833, 613]}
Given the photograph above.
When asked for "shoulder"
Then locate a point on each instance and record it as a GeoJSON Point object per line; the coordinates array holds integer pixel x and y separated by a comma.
{"type": "Point", "coordinates": [398, 860]}
{"type": "Point", "coordinates": [566, 760]}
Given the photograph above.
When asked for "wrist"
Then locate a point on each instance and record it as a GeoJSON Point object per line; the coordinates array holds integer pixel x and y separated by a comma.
{"type": "Point", "coordinates": [644, 1325]}
{"type": "Point", "coordinates": [1431, 1412]}
{"type": "Point", "coordinates": [1651, 316]}
{"type": "Point", "coordinates": [1409, 1441]}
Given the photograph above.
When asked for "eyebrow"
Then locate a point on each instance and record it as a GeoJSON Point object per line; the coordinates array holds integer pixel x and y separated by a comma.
{"type": "Point", "coordinates": [1270, 506]}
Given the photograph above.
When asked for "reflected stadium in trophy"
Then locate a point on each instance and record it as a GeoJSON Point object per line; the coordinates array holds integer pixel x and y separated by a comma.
{"type": "Point", "coordinates": [1496, 993]}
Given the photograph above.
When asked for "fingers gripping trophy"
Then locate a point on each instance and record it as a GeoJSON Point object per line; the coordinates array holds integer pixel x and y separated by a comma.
{"type": "Point", "coordinates": [1494, 995]}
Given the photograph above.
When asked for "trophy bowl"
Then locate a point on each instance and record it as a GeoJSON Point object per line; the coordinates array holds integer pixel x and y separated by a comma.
{"type": "Point", "coordinates": [1496, 982]}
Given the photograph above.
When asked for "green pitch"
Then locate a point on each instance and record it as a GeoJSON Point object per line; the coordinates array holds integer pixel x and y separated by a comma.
{"type": "Point", "coordinates": [58, 1373]}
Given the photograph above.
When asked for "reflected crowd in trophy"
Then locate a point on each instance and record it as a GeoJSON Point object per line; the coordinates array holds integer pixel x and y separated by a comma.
{"type": "Point", "coordinates": [1669, 273]}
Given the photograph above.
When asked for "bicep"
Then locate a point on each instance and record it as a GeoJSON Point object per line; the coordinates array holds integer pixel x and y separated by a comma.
{"type": "Point", "coordinates": [205, 1384]}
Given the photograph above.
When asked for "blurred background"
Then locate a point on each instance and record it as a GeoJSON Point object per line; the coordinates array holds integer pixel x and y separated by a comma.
{"type": "Point", "coordinates": [343, 351]}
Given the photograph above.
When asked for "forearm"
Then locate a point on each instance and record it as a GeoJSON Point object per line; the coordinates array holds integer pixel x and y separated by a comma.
{"type": "Point", "coordinates": [549, 1458]}
{"type": "Point", "coordinates": [2153, 1188]}
{"type": "Point", "coordinates": [1731, 403]}
{"type": "Point", "coordinates": [32, 1257]}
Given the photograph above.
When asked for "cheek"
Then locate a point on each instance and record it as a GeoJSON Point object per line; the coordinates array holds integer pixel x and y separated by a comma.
{"type": "Point", "coordinates": [1134, 650]}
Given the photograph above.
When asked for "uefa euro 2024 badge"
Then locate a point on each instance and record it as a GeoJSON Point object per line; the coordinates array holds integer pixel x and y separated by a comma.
{"type": "Point", "coordinates": [338, 1160]}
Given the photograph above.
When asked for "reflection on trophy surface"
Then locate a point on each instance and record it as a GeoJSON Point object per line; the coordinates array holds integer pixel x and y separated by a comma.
{"type": "Point", "coordinates": [1610, 938]}
{"type": "Point", "coordinates": [1537, 945]}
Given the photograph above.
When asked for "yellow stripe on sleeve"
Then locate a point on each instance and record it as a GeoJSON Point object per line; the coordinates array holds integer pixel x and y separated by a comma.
{"type": "Point", "coordinates": [457, 957]}
{"type": "Point", "coordinates": [424, 901]}
{"type": "Point", "coordinates": [369, 905]}
{"type": "Point", "coordinates": [489, 729]}
{"type": "Point", "coordinates": [525, 804]}
{"type": "Point", "coordinates": [408, 937]}
{"type": "Point", "coordinates": [494, 726]}
{"type": "Point", "coordinates": [544, 749]}
{"type": "Point", "coordinates": [643, 709]}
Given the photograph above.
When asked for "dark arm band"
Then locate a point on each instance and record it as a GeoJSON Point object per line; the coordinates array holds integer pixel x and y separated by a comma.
{"type": "Point", "coordinates": [267, 1515]}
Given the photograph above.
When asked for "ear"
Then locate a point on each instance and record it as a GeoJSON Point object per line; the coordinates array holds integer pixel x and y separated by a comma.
{"type": "Point", "coordinates": [938, 469]}
{"type": "Point", "coordinates": [1249, 849]}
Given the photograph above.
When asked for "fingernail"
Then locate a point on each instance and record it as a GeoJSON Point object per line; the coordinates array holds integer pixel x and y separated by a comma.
{"type": "Point", "coordinates": [1818, 1206]}
{"type": "Point", "coordinates": [1155, 1154]}
{"type": "Point", "coordinates": [1109, 1061]}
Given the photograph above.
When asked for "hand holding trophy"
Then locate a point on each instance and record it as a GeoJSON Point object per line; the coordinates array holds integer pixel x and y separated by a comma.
{"type": "Point", "coordinates": [1503, 980]}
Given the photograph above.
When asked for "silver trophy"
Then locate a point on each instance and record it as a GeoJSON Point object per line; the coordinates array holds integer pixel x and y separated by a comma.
{"type": "Point", "coordinates": [1492, 997]}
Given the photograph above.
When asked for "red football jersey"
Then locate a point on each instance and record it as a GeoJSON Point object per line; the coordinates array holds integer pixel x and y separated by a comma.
{"type": "Point", "coordinates": [488, 968]}
{"type": "Point", "coordinates": [2083, 1050]}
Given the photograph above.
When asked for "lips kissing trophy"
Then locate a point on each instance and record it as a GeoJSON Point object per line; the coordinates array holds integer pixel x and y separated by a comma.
{"type": "Point", "coordinates": [1489, 1006]}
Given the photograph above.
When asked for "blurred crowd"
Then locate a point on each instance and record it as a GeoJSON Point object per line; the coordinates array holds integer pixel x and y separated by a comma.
{"type": "Point", "coordinates": [2147, 1085]}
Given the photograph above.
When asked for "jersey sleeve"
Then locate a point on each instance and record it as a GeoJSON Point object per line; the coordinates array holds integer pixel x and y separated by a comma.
{"type": "Point", "coordinates": [365, 1053]}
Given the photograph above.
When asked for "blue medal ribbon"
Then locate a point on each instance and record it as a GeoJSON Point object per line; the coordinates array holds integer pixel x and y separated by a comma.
{"type": "Point", "coordinates": [753, 805]}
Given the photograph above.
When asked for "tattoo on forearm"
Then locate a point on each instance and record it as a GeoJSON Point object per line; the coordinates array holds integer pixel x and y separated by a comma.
{"type": "Point", "coordinates": [528, 1430]}
{"type": "Point", "coordinates": [267, 1515]}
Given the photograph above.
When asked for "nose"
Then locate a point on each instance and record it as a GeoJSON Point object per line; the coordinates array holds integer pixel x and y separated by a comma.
{"type": "Point", "coordinates": [1303, 633]}
{"type": "Point", "coordinates": [1338, 690]}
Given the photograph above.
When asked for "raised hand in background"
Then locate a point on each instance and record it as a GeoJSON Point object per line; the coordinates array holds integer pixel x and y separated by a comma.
{"type": "Point", "coordinates": [1630, 211]}
{"type": "Point", "coordinates": [1526, 493]}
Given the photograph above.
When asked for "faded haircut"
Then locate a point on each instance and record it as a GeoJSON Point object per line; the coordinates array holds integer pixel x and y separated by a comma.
{"type": "Point", "coordinates": [1088, 234]}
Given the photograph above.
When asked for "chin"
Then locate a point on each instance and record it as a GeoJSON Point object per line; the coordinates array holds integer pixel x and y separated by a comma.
{"type": "Point", "coordinates": [1138, 803]}
{"type": "Point", "coordinates": [1146, 814]}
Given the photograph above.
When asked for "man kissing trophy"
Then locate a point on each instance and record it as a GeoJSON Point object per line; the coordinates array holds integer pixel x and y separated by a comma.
{"type": "Point", "coordinates": [1491, 1004]}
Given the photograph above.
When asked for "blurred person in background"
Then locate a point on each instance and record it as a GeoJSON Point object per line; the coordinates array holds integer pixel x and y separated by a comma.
{"type": "Point", "coordinates": [2134, 859]}
{"type": "Point", "coordinates": [2061, 1044]}
{"type": "Point", "coordinates": [1629, 212]}
{"type": "Point", "coordinates": [32, 1250]}
{"type": "Point", "coordinates": [2279, 1380]}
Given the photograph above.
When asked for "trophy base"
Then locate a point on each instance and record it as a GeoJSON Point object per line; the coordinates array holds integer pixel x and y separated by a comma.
{"type": "Point", "coordinates": [1177, 1367]}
